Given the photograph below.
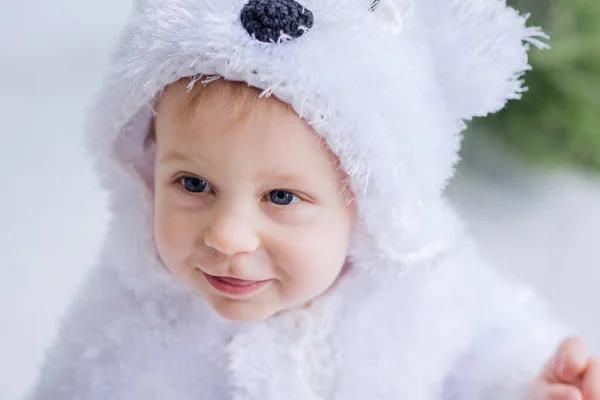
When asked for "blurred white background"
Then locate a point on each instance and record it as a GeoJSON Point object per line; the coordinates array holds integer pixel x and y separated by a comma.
{"type": "Point", "coordinates": [542, 228]}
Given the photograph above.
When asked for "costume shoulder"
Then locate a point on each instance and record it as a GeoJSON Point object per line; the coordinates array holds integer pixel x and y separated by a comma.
{"type": "Point", "coordinates": [515, 334]}
{"type": "Point", "coordinates": [119, 341]}
{"type": "Point", "coordinates": [458, 330]}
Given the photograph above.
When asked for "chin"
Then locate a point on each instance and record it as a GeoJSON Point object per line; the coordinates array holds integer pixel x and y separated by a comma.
{"type": "Point", "coordinates": [241, 312]}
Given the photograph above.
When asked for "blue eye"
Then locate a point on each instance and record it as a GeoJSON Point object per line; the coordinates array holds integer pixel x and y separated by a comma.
{"type": "Point", "coordinates": [283, 197]}
{"type": "Point", "coordinates": [194, 185]}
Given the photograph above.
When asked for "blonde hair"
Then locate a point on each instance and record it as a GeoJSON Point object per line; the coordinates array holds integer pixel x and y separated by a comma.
{"type": "Point", "coordinates": [242, 100]}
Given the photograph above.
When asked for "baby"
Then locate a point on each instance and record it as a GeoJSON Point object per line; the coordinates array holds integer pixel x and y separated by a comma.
{"type": "Point", "coordinates": [251, 208]}
{"type": "Point", "coordinates": [276, 173]}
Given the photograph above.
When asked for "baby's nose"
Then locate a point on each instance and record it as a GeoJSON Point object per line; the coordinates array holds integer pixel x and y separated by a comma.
{"type": "Point", "coordinates": [231, 234]}
{"type": "Point", "coordinates": [267, 20]}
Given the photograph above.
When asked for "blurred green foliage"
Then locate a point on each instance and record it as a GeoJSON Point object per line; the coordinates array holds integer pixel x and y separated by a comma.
{"type": "Point", "coordinates": [557, 122]}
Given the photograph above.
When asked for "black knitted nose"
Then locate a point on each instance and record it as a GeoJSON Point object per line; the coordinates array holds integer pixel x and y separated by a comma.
{"type": "Point", "coordinates": [268, 19]}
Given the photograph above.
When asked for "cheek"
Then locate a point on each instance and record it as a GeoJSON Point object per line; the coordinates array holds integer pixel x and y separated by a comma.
{"type": "Point", "coordinates": [312, 259]}
{"type": "Point", "coordinates": [175, 235]}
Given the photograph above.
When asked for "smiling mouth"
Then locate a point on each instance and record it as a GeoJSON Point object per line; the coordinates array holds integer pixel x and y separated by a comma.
{"type": "Point", "coordinates": [234, 287]}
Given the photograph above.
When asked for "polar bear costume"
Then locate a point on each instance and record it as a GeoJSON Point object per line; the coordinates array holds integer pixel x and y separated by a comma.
{"type": "Point", "coordinates": [389, 85]}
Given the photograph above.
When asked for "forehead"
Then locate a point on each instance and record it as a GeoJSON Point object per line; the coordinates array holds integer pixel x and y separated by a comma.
{"type": "Point", "coordinates": [219, 104]}
{"type": "Point", "coordinates": [268, 130]}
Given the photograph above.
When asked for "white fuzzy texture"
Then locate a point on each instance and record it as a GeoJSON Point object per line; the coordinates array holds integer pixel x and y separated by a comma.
{"type": "Point", "coordinates": [418, 316]}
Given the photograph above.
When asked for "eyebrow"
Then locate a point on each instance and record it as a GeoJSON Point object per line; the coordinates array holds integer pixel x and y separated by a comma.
{"type": "Point", "coordinates": [285, 177]}
{"type": "Point", "coordinates": [176, 156]}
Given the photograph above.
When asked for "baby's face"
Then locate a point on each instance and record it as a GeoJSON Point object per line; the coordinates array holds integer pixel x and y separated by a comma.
{"type": "Point", "coordinates": [253, 214]}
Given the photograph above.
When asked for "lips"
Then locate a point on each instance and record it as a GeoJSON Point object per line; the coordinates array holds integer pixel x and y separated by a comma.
{"type": "Point", "coordinates": [235, 281]}
{"type": "Point", "coordinates": [233, 286]}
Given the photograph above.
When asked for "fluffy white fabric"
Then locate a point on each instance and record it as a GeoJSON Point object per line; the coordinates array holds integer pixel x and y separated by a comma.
{"type": "Point", "coordinates": [418, 316]}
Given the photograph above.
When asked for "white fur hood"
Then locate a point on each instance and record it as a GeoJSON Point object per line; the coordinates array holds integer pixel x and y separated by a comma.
{"type": "Point", "coordinates": [388, 84]}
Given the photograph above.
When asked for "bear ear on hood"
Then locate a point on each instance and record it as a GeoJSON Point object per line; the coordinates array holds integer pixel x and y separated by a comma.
{"type": "Point", "coordinates": [479, 49]}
